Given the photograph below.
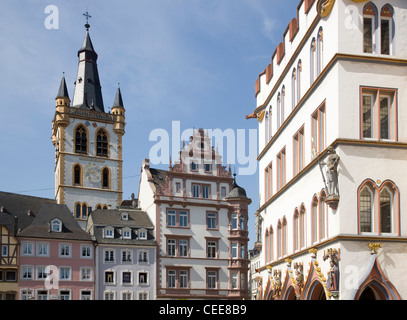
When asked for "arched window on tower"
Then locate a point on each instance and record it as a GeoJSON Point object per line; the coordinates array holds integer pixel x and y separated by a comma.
{"type": "Point", "coordinates": [81, 211]}
{"type": "Point", "coordinates": [102, 143]}
{"type": "Point", "coordinates": [369, 28]}
{"type": "Point", "coordinates": [77, 175]}
{"type": "Point", "coordinates": [386, 30]}
{"type": "Point", "coordinates": [366, 199]}
{"type": "Point", "coordinates": [106, 178]}
{"type": "Point", "coordinates": [81, 140]}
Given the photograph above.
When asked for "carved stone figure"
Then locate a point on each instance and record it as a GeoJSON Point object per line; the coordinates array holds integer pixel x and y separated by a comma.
{"type": "Point", "coordinates": [299, 272]}
{"type": "Point", "coordinates": [331, 165]}
{"type": "Point", "coordinates": [332, 283]}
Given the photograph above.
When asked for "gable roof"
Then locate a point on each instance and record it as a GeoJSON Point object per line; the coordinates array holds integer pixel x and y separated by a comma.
{"type": "Point", "coordinates": [137, 219]}
{"type": "Point", "coordinates": [40, 227]}
{"type": "Point", "coordinates": [24, 207]}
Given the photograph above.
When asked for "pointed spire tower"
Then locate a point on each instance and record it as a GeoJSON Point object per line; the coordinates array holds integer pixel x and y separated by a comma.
{"type": "Point", "coordinates": [119, 111]}
{"type": "Point", "coordinates": [88, 141]}
{"type": "Point", "coordinates": [88, 91]}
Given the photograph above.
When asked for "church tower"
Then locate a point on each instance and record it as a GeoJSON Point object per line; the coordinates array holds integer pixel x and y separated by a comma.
{"type": "Point", "coordinates": [87, 141]}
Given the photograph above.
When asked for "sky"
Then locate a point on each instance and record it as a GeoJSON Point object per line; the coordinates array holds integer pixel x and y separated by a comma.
{"type": "Point", "coordinates": [191, 63]}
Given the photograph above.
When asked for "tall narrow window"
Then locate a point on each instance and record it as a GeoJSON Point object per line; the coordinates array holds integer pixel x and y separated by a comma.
{"type": "Point", "coordinates": [322, 216]}
{"type": "Point", "coordinates": [282, 105]}
{"type": "Point", "coordinates": [77, 175]}
{"type": "Point", "coordinates": [314, 220]}
{"type": "Point", "coordinates": [279, 111]}
{"type": "Point", "coordinates": [279, 238]}
{"type": "Point", "coordinates": [284, 237]}
{"type": "Point", "coordinates": [281, 169]}
{"type": "Point", "coordinates": [367, 115]}
{"type": "Point", "coordinates": [101, 143]}
{"type": "Point", "coordinates": [318, 129]}
{"type": "Point", "coordinates": [81, 140]}
{"type": "Point", "coordinates": [266, 244]}
{"type": "Point", "coordinates": [366, 206]}
{"type": "Point", "coordinates": [386, 29]}
{"type": "Point", "coordinates": [268, 192]}
{"type": "Point", "coordinates": [294, 89]}
{"type": "Point", "coordinates": [299, 69]}
{"type": "Point", "coordinates": [270, 122]}
{"type": "Point", "coordinates": [298, 147]}
{"type": "Point", "coordinates": [369, 28]}
{"type": "Point", "coordinates": [266, 128]}
{"type": "Point", "coordinates": [320, 51]}
{"type": "Point", "coordinates": [296, 230]}
{"type": "Point", "coordinates": [105, 178]}
{"type": "Point", "coordinates": [312, 60]}
{"type": "Point", "coordinates": [385, 211]}
{"type": "Point", "coordinates": [302, 227]}
{"type": "Point", "coordinates": [385, 110]}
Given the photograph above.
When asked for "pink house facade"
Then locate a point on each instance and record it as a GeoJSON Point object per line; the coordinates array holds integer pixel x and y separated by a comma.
{"type": "Point", "coordinates": [56, 258]}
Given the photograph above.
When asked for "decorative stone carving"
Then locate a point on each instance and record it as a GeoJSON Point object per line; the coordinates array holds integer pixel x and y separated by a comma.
{"type": "Point", "coordinates": [333, 274]}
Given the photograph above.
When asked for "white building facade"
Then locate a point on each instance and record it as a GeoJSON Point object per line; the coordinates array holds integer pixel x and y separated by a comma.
{"type": "Point", "coordinates": [200, 218]}
{"type": "Point", "coordinates": [334, 90]}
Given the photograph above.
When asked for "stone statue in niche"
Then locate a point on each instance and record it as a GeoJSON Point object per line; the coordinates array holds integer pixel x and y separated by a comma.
{"type": "Point", "coordinates": [332, 283]}
{"type": "Point", "coordinates": [331, 172]}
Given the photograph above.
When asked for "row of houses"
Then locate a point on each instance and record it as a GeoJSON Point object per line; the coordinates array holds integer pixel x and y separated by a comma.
{"type": "Point", "coordinates": [45, 254]}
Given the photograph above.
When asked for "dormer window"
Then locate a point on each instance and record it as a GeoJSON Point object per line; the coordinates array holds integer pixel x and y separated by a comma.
{"type": "Point", "coordinates": [109, 232]}
{"type": "Point", "coordinates": [126, 233]}
{"type": "Point", "coordinates": [142, 234]}
{"type": "Point", "coordinates": [125, 216]}
{"type": "Point", "coordinates": [56, 225]}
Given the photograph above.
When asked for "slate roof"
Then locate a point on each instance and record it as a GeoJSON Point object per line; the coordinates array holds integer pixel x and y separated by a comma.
{"type": "Point", "coordinates": [136, 219]}
{"type": "Point", "coordinates": [17, 205]}
{"type": "Point", "coordinates": [40, 227]}
{"type": "Point", "coordinates": [158, 176]}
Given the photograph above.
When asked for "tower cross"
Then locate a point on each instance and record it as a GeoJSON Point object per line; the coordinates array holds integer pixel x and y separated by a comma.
{"type": "Point", "coordinates": [87, 15]}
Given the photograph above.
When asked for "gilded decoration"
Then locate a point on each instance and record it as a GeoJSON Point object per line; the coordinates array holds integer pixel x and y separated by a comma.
{"type": "Point", "coordinates": [324, 7]}
{"type": "Point", "coordinates": [299, 277]}
{"type": "Point", "coordinates": [277, 284]}
{"type": "Point", "coordinates": [374, 246]}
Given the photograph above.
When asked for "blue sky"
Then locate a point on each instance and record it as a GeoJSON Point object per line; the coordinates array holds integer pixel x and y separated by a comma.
{"type": "Point", "coordinates": [192, 61]}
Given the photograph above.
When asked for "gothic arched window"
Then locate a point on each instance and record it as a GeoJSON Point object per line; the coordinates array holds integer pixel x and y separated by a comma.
{"type": "Point", "coordinates": [105, 178]}
{"type": "Point", "coordinates": [77, 175]}
{"type": "Point", "coordinates": [81, 140]}
{"type": "Point", "coordinates": [102, 143]}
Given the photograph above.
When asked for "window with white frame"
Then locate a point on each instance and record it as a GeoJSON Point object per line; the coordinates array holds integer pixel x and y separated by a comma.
{"type": "Point", "coordinates": [65, 250]}
{"type": "Point", "coordinates": [143, 256]}
{"type": "Point", "coordinates": [127, 256]}
{"type": "Point", "coordinates": [378, 114]}
{"type": "Point", "coordinates": [86, 251]}
{"type": "Point", "coordinates": [65, 273]}
{"type": "Point", "coordinates": [86, 273]}
{"type": "Point", "coordinates": [109, 255]}
{"type": "Point", "coordinates": [143, 278]}
{"type": "Point", "coordinates": [109, 232]}
{"type": "Point", "coordinates": [56, 225]}
{"type": "Point", "coordinates": [42, 249]}
{"type": "Point", "coordinates": [27, 249]}
{"type": "Point", "coordinates": [212, 279]}
{"type": "Point", "coordinates": [212, 220]}
{"type": "Point", "coordinates": [41, 273]}
{"type": "Point", "coordinates": [109, 277]}
{"type": "Point", "coordinates": [127, 278]}
{"type": "Point", "coordinates": [86, 295]}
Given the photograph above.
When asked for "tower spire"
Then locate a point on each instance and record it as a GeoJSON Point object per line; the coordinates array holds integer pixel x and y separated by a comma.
{"type": "Point", "coordinates": [88, 92]}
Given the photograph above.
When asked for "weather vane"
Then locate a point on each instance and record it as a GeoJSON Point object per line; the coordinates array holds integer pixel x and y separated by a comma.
{"type": "Point", "coordinates": [87, 15]}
